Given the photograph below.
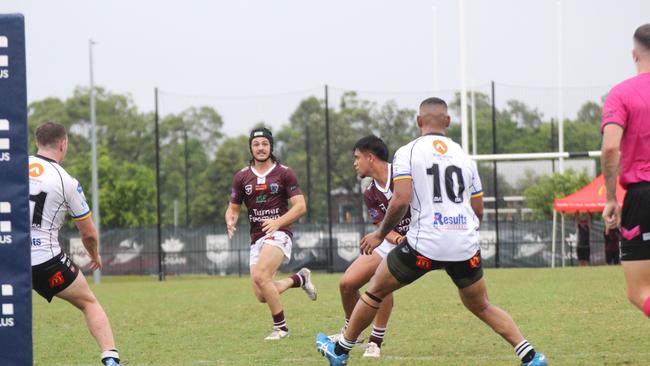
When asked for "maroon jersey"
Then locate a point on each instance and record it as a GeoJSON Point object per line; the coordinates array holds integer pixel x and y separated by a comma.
{"type": "Point", "coordinates": [376, 199]}
{"type": "Point", "coordinates": [266, 196]}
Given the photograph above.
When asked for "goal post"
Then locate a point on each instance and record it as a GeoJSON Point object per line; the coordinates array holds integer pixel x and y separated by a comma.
{"type": "Point", "coordinates": [15, 243]}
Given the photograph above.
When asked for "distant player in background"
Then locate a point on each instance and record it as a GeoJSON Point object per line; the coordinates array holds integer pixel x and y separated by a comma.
{"type": "Point", "coordinates": [52, 194]}
{"type": "Point", "coordinates": [626, 149]}
{"type": "Point", "coordinates": [266, 187]}
{"type": "Point", "coordinates": [371, 160]}
{"type": "Point", "coordinates": [437, 179]}
{"type": "Point", "coordinates": [583, 231]}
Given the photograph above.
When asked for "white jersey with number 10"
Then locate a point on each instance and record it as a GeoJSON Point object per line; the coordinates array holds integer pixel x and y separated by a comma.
{"type": "Point", "coordinates": [443, 224]}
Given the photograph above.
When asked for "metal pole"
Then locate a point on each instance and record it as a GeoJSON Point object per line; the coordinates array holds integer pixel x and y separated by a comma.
{"type": "Point", "coordinates": [308, 152]}
{"type": "Point", "coordinates": [562, 241]}
{"type": "Point", "coordinates": [553, 235]}
{"type": "Point", "coordinates": [560, 106]}
{"type": "Point", "coordinates": [187, 184]}
{"type": "Point", "coordinates": [537, 156]}
{"type": "Point", "coordinates": [435, 50]}
{"type": "Point", "coordinates": [97, 275]}
{"type": "Point", "coordinates": [161, 269]}
{"type": "Point", "coordinates": [463, 77]}
{"type": "Point", "coordinates": [494, 176]}
{"type": "Point", "coordinates": [552, 145]}
{"type": "Point", "coordinates": [474, 138]}
{"type": "Point", "coordinates": [330, 256]}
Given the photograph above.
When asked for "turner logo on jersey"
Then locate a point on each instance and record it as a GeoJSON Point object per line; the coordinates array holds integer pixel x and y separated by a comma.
{"type": "Point", "coordinates": [458, 222]}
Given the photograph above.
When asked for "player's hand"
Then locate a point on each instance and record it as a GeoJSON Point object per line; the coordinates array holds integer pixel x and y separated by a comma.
{"type": "Point", "coordinates": [96, 263]}
{"type": "Point", "coordinates": [230, 225]}
{"type": "Point", "coordinates": [611, 215]}
{"type": "Point", "coordinates": [370, 242]}
{"type": "Point", "coordinates": [270, 226]}
{"type": "Point", "coordinates": [231, 230]}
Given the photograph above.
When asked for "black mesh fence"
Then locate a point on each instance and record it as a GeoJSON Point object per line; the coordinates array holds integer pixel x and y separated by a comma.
{"type": "Point", "coordinates": [207, 250]}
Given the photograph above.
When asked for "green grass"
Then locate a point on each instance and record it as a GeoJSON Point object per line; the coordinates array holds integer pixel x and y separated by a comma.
{"type": "Point", "coordinates": [577, 316]}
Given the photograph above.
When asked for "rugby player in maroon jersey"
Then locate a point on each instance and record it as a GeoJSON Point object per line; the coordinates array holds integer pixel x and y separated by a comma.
{"type": "Point", "coordinates": [371, 160]}
{"type": "Point", "coordinates": [266, 188]}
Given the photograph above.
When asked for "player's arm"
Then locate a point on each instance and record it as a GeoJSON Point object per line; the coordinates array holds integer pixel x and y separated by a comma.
{"type": "Point", "coordinates": [232, 215]}
{"type": "Point", "coordinates": [610, 160]}
{"type": "Point", "coordinates": [90, 241]}
{"type": "Point", "coordinates": [477, 206]}
{"type": "Point", "coordinates": [298, 208]}
{"type": "Point", "coordinates": [374, 212]}
{"type": "Point", "coordinates": [394, 237]}
{"type": "Point", "coordinates": [397, 207]}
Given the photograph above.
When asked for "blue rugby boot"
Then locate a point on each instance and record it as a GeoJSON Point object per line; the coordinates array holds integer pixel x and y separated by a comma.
{"type": "Point", "coordinates": [538, 360]}
{"type": "Point", "coordinates": [325, 346]}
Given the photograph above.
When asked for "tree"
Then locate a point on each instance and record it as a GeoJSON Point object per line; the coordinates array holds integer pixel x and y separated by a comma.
{"type": "Point", "coordinates": [354, 119]}
{"type": "Point", "coordinates": [212, 194]}
{"type": "Point", "coordinates": [540, 196]}
{"type": "Point", "coordinates": [126, 202]}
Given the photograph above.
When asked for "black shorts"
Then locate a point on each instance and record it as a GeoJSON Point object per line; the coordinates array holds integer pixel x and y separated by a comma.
{"type": "Point", "coordinates": [51, 277]}
{"type": "Point", "coordinates": [635, 223]}
{"type": "Point", "coordinates": [407, 265]}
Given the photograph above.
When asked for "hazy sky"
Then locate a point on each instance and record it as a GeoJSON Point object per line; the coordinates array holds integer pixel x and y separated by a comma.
{"type": "Point", "coordinates": [384, 48]}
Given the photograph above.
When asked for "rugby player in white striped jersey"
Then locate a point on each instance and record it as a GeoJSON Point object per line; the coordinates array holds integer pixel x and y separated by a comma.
{"type": "Point", "coordinates": [53, 193]}
{"type": "Point", "coordinates": [440, 182]}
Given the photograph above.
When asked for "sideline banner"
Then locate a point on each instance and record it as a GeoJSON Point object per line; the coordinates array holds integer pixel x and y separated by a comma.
{"type": "Point", "coordinates": [15, 266]}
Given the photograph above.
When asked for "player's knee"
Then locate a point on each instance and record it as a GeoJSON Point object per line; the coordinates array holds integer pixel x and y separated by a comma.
{"type": "Point", "coordinates": [260, 278]}
{"type": "Point", "coordinates": [477, 305]}
{"type": "Point", "coordinates": [260, 297]}
{"type": "Point", "coordinates": [346, 286]}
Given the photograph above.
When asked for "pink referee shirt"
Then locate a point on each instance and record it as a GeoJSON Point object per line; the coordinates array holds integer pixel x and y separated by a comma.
{"type": "Point", "coordinates": [628, 105]}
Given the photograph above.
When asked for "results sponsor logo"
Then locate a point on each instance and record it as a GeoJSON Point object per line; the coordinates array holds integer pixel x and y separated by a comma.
{"type": "Point", "coordinates": [458, 222]}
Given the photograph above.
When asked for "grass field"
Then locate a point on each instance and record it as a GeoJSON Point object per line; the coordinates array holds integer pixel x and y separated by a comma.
{"type": "Point", "coordinates": [576, 316]}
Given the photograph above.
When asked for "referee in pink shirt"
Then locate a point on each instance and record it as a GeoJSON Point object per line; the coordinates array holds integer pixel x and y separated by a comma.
{"type": "Point", "coordinates": [626, 150]}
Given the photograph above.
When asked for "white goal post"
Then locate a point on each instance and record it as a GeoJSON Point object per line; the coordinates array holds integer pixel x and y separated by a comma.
{"type": "Point", "coordinates": [542, 156]}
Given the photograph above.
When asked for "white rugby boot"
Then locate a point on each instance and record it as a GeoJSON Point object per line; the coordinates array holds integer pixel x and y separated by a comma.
{"type": "Point", "coordinates": [372, 350]}
{"type": "Point", "coordinates": [276, 335]}
{"type": "Point", "coordinates": [308, 286]}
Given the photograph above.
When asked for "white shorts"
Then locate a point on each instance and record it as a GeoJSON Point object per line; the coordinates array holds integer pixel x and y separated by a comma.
{"type": "Point", "coordinates": [279, 239]}
{"type": "Point", "coordinates": [384, 248]}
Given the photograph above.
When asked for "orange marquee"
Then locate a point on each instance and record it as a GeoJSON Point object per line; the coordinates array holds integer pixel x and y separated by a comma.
{"type": "Point", "coordinates": [591, 198]}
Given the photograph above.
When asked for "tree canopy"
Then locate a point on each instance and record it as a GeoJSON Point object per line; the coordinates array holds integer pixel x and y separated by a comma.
{"type": "Point", "coordinates": [198, 161]}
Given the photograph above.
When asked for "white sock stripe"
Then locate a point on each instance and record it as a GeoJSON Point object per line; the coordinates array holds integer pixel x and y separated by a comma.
{"type": "Point", "coordinates": [520, 345]}
{"type": "Point", "coordinates": [524, 351]}
{"type": "Point", "coordinates": [302, 280]}
{"type": "Point", "coordinates": [280, 323]}
{"type": "Point", "coordinates": [110, 353]}
{"type": "Point", "coordinates": [345, 343]}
